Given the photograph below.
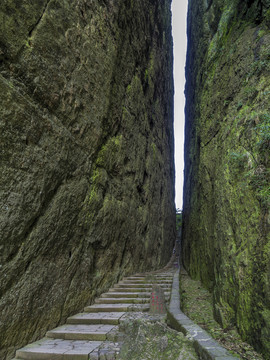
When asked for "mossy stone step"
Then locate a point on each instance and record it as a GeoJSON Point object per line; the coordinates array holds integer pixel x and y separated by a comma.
{"type": "Point", "coordinates": [48, 349]}
{"type": "Point", "coordinates": [149, 281]}
{"type": "Point", "coordinates": [132, 285]}
{"type": "Point", "coordinates": [81, 332]}
{"type": "Point", "coordinates": [116, 307]}
{"type": "Point", "coordinates": [107, 308]}
{"type": "Point", "coordinates": [129, 290]}
{"type": "Point", "coordinates": [121, 294]}
{"type": "Point", "coordinates": [108, 318]}
{"type": "Point", "coordinates": [166, 273]}
{"type": "Point", "coordinates": [147, 276]}
{"type": "Point", "coordinates": [84, 333]}
{"type": "Point", "coordinates": [129, 294]}
{"type": "Point", "coordinates": [126, 300]}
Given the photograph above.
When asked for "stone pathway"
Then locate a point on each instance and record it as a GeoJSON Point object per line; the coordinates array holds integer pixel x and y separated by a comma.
{"type": "Point", "coordinates": [94, 334]}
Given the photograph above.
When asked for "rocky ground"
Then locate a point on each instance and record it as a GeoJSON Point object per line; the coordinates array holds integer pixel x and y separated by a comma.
{"type": "Point", "coordinates": [148, 337]}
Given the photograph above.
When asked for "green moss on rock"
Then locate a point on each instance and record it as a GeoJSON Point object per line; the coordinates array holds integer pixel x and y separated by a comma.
{"type": "Point", "coordinates": [226, 195]}
{"type": "Point", "coordinates": [146, 339]}
{"type": "Point", "coordinates": [83, 203]}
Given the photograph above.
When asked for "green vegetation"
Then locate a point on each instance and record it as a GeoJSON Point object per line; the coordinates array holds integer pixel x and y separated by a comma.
{"type": "Point", "coordinates": [153, 339]}
{"type": "Point", "coordinates": [252, 167]}
{"type": "Point", "coordinates": [227, 194]}
{"type": "Point", "coordinates": [197, 303]}
{"type": "Point", "coordinates": [109, 156]}
{"type": "Point", "coordinates": [179, 218]}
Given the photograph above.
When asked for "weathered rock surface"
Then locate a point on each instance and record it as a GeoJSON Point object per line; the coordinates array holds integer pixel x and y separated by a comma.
{"type": "Point", "coordinates": [151, 339]}
{"type": "Point", "coordinates": [86, 149]}
{"type": "Point", "coordinates": [226, 202]}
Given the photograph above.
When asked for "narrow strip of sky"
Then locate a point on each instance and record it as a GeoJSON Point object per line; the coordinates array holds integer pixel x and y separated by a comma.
{"type": "Point", "coordinates": [179, 16]}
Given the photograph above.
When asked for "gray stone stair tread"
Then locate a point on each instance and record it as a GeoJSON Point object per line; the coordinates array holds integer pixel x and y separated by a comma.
{"type": "Point", "coordinates": [147, 279]}
{"type": "Point", "coordinates": [96, 318]}
{"type": "Point", "coordinates": [131, 290]}
{"type": "Point", "coordinates": [46, 349]}
{"type": "Point", "coordinates": [81, 332]}
{"type": "Point", "coordinates": [117, 307]}
{"type": "Point", "coordinates": [85, 332]}
{"type": "Point", "coordinates": [121, 294]}
{"type": "Point", "coordinates": [107, 307]}
{"type": "Point", "coordinates": [120, 284]}
{"type": "Point", "coordinates": [143, 282]}
{"type": "Point", "coordinates": [136, 289]}
{"type": "Point", "coordinates": [115, 300]}
{"type": "Point", "coordinates": [139, 294]}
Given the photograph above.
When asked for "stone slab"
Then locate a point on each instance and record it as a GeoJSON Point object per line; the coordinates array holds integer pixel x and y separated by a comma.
{"type": "Point", "coordinates": [139, 294]}
{"type": "Point", "coordinates": [139, 307]}
{"type": "Point", "coordinates": [120, 294]}
{"type": "Point", "coordinates": [109, 318]}
{"type": "Point", "coordinates": [56, 349]}
{"type": "Point", "coordinates": [148, 281]}
{"type": "Point", "coordinates": [124, 285]}
{"type": "Point", "coordinates": [83, 335]}
{"type": "Point", "coordinates": [128, 289]}
{"type": "Point", "coordinates": [137, 300]}
{"type": "Point", "coordinates": [107, 308]}
{"type": "Point", "coordinates": [150, 278]}
{"type": "Point", "coordinates": [81, 332]}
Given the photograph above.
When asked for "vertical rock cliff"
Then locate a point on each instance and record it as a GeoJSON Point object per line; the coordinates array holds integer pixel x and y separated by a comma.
{"type": "Point", "coordinates": [226, 193]}
{"type": "Point", "coordinates": [86, 151]}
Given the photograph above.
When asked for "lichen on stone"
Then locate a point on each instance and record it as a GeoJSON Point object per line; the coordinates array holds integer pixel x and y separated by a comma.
{"type": "Point", "coordinates": [226, 191]}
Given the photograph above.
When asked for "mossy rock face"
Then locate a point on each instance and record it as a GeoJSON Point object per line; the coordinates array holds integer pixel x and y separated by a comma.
{"type": "Point", "coordinates": [227, 195]}
{"type": "Point", "coordinates": [144, 339]}
{"type": "Point", "coordinates": [86, 143]}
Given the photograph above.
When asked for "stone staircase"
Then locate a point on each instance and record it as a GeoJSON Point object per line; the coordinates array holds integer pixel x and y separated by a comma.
{"type": "Point", "coordinates": [94, 334]}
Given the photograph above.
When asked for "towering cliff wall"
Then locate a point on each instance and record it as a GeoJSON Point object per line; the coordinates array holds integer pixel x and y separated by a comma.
{"type": "Point", "coordinates": [226, 193]}
{"type": "Point", "coordinates": [87, 174]}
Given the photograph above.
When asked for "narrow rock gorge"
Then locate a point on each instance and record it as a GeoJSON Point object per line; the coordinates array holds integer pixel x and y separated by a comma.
{"type": "Point", "coordinates": [226, 192]}
{"type": "Point", "coordinates": [86, 151]}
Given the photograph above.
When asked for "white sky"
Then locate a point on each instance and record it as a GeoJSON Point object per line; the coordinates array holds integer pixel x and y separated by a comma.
{"type": "Point", "coordinates": [179, 14]}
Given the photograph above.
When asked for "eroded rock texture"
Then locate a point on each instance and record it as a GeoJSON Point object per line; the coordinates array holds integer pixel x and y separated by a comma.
{"type": "Point", "coordinates": [226, 201]}
{"type": "Point", "coordinates": [87, 174]}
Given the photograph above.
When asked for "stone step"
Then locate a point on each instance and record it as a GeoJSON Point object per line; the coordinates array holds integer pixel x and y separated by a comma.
{"type": "Point", "coordinates": [126, 300]}
{"type": "Point", "coordinates": [144, 282]}
{"type": "Point", "coordinates": [148, 275]}
{"type": "Point", "coordinates": [128, 294]}
{"type": "Point", "coordinates": [167, 273]}
{"type": "Point", "coordinates": [122, 294]}
{"type": "Point", "coordinates": [48, 349]}
{"type": "Point", "coordinates": [107, 308]}
{"type": "Point", "coordinates": [130, 290]}
{"type": "Point", "coordinates": [84, 335]}
{"type": "Point", "coordinates": [116, 307]}
{"type": "Point", "coordinates": [130, 285]}
{"type": "Point", "coordinates": [108, 318]}
{"type": "Point", "coordinates": [108, 351]}
{"type": "Point", "coordinates": [81, 332]}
